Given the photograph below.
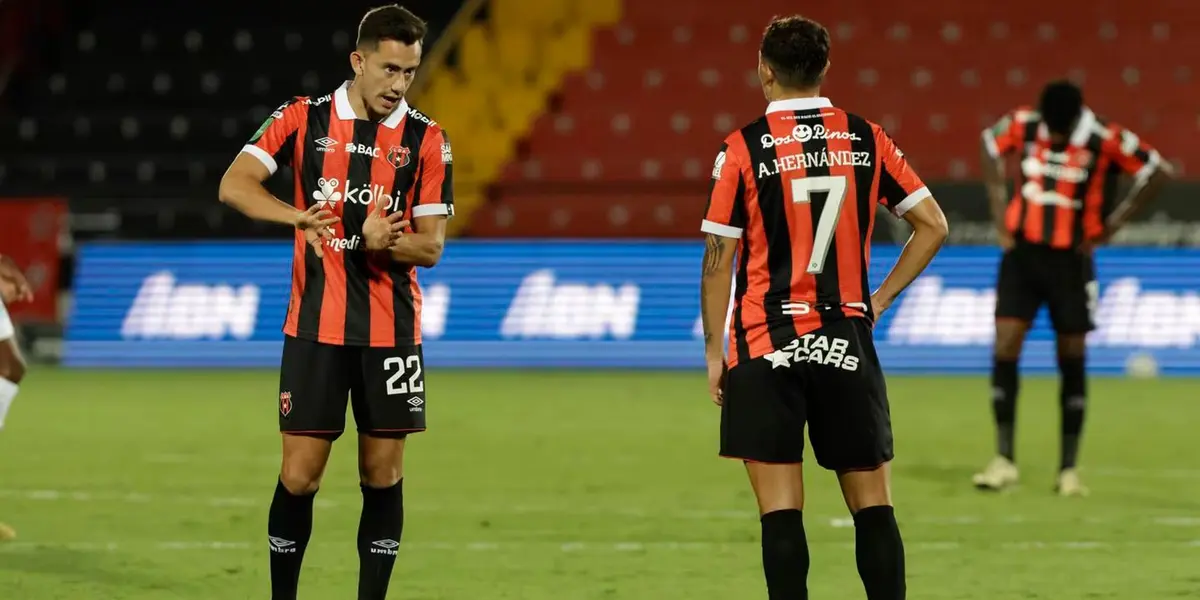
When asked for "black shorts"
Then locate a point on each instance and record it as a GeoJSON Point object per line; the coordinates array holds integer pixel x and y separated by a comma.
{"type": "Point", "coordinates": [385, 387]}
{"type": "Point", "coordinates": [1065, 280]}
{"type": "Point", "coordinates": [830, 379]}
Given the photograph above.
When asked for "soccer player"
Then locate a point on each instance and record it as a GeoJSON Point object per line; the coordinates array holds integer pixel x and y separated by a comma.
{"type": "Point", "coordinates": [1062, 208]}
{"type": "Point", "coordinates": [794, 197]}
{"type": "Point", "coordinates": [365, 164]}
{"type": "Point", "coordinates": [13, 288]}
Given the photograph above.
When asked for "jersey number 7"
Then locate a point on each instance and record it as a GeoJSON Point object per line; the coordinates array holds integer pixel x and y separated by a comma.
{"type": "Point", "coordinates": [802, 189]}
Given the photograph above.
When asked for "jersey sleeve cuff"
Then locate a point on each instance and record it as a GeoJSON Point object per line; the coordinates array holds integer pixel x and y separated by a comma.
{"type": "Point", "coordinates": [715, 228]}
{"type": "Point", "coordinates": [989, 143]}
{"type": "Point", "coordinates": [912, 200]}
{"type": "Point", "coordinates": [432, 210]}
{"type": "Point", "coordinates": [263, 156]}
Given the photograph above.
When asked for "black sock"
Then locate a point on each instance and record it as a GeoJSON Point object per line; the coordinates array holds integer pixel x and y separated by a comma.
{"type": "Point", "coordinates": [379, 538]}
{"type": "Point", "coordinates": [1005, 382]}
{"type": "Point", "coordinates": [1072, 399]}
{"type": "Point", "coordinates": [289, 525]}
{"type": "Point", "coordinates": [785, 555]}
{"type": "Point", "coordinates": [880, 553]}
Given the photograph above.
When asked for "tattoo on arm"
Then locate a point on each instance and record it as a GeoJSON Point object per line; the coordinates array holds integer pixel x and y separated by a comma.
{"type": "Point", "coordinates": [713, 249]}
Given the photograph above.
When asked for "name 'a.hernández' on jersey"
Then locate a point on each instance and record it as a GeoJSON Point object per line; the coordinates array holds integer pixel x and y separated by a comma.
{"type": "Point", "coordinates": [351, 297]}
{"type": "Point", "coordinates": [798, 188]}
{"type": "Point", "coordinates": [1064, 193]}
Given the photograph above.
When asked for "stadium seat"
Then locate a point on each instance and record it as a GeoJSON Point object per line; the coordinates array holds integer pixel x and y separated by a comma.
{"type": "Point", "coordinates": [934, 74]}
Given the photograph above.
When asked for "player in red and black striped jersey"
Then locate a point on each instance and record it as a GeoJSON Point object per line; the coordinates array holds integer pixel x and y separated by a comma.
{"type": "Point", "coordinates": [793, 201]}
{"type": "Point", "coordinates": [373, 191]}
{"type": "Point", "coordinates": [1069, 162]}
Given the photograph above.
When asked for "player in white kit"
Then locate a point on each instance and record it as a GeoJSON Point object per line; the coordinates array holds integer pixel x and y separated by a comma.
{"type": "Point", "coordinates": [13, 288]}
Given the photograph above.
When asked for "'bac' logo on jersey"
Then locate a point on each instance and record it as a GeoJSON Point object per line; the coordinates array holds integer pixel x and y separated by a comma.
{"type": "Point", "coordinates": [398, 156]}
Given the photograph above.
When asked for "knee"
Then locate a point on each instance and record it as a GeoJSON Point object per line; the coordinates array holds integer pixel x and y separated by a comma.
{"type": "Point", "coordinates": [1008, 347]}
{"type": "Point", "coordinates": [300, 478]}
{"type": "Point", "coordinates": [379, 473]}
{"type": "Point", "coordinates": [12, 369]}
{"type": "Point", "coordinates": [1072, 347]}
{"type": "Point", "coordinates": [1010, 336]}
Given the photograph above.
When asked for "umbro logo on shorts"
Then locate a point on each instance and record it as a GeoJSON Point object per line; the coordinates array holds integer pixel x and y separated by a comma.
{"type": "Point", "coordinates": [416, 403]}
{"type": "Point", "coordinates": [387, 547]}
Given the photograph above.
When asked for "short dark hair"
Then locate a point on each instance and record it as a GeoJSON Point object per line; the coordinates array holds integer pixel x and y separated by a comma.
{"type": "Point", "coordinates": [1061, 105]}
{"type": "Point", "coordinates": [797, 50]}
{"type": "Point", "coordinates": [390, 22]}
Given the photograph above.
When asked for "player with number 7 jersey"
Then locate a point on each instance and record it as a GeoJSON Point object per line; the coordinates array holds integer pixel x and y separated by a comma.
{"type": "Point", "coordinates": [798, 190]}
{"type": "Point", "coordinates": [793, 204]}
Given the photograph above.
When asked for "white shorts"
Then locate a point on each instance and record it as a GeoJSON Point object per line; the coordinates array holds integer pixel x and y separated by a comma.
{"type": "Point", "coordinates": [6, 326]}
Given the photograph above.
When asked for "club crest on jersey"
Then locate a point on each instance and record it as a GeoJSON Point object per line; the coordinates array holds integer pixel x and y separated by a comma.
{"type": "Point", "coordinates": [285, 403]}
{"type": "Point", "coordinates": [398, 156]}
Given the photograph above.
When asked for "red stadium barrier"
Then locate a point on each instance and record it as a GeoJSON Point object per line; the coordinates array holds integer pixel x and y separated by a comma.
{"type": "Point", "coordinates": [31, 236]}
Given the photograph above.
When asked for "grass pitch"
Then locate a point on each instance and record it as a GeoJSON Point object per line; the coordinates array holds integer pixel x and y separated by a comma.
{"type": "Point", "coordinates": [148, 485]}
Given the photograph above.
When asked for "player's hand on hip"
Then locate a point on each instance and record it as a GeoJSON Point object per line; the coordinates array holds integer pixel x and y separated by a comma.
{"type": "Point", "coordinates": [1006, 240]}
{"type": "Point", "coordinates": [879, 305]}
{"type": "Point", "coordinates": [380, 231]}
{"type": "Point", "coordinates": [716, 379]}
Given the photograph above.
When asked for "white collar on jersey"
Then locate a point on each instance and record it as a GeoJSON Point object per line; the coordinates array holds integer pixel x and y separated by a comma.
{"type": "Point", "coordinates": [1083, 129]}
{"type": "Point", "coordinates": [798, 104]}
{"type": "Point", "coordinates": [345, 112]}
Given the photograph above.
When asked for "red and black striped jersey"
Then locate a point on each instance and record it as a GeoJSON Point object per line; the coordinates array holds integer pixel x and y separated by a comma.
{"type": "Point", "coordinates": [353, 297]}
{"type": "Point", "coordinates": [798, 188]}
{"type": "Point", "coordinates": [1064, 192]}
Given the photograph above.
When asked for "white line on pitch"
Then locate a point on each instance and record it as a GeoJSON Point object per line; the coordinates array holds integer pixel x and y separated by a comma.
{"type": "Point", "coordinates": [573, 547]}
{"type": "Point", "coordinates": [140, 498]}
{"type": "Point", "coordinates": [271, 459]}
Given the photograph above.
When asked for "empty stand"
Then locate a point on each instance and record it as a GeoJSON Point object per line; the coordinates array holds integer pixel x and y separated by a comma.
{"type": "Point", "coordinates": [673, 77]}
{"type": "Point", "coordinates": [148, 99]}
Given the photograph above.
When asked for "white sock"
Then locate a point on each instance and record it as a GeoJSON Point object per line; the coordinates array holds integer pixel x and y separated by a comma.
{"type": "Point", "coordinates": [8, 392]}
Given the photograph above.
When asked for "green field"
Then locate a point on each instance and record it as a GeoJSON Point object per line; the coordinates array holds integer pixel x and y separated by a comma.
{"type": "Point", "coordinates": [541, 485]}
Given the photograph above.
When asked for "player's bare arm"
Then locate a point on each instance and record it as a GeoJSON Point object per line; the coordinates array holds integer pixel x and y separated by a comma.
{"type": "Point", "coordinates": [1142, 192]}
{"type": "Point", "coordinates": [929, 232]}
{"type": "Point", "coordinates": [716, 273]}
{"type": "Point", "coordinates": [997, 193]}
{"type": "Point", "coordinates": [242, 188]}
{"type": "Point", "coordinates": [423, 247]}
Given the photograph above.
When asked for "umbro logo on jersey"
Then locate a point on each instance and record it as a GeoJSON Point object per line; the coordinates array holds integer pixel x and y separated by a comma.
{"type": "Point", "coordinates": [325, 144]}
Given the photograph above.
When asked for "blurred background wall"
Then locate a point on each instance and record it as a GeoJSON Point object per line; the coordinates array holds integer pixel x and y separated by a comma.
{"type": "Point", "coordinates": [572, 119]}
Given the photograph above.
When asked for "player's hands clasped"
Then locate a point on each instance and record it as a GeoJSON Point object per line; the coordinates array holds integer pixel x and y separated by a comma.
{"type": "Point", "coordinates": [13, 285]}
{"type": "Point", "coordinates": [380, 231]}
{"type": "Point", "coordinates": [317, 225]}
{"type": "Point", "coordinates": [716, 379]}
